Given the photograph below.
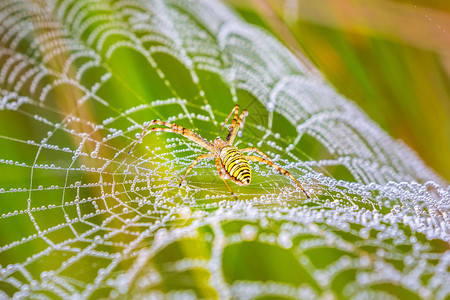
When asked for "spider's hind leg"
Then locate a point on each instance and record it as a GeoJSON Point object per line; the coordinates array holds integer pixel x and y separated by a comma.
{"type": "Point", "coordinates": [208, 155]}
{"type": "Point", "coordinates": [279, 169]}
{"type": "Point", "coordinates": [221, 175]}
{"type": "Point", "coordinates": [249, 149]}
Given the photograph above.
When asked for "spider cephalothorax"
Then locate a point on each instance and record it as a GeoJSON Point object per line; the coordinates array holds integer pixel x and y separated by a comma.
{"type": "Point", "coordinates": [230, 161]}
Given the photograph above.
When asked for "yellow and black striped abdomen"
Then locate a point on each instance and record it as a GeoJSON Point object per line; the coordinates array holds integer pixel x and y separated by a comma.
{"type": "Point", "coordinates": [235, 165]}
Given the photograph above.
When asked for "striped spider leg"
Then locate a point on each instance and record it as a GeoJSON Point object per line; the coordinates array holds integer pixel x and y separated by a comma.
{"type": "Point", "coordinates": [230, 162]}
{"type": "Point", "coordinates": [233, 130]}
{"type": "Point", "coordinates": [278, 168]}
{"type": "Point", "coordinates": [175, 129]}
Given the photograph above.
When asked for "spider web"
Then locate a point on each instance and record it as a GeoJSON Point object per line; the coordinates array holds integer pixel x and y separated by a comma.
{"type": "Point", "coordinates": [81, 218]}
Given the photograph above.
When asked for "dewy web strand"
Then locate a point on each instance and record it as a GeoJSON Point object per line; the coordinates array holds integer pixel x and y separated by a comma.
{"type": "Point", "coordinates": [82, 218]}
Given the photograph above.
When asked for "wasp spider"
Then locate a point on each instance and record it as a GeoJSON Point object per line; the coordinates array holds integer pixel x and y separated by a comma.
{"type": "Point", "coordinates": [230, 161]}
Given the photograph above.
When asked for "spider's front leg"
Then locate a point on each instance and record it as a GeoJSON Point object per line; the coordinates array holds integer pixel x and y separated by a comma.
{"type": "Point", "coordinates": [235, 125]}
{"type": "Point", "coordinates": [279, 169]}
{"type": "Point", "coordinates": [234, 111]}
{"type": "Point", "coordinates": [175, 129]}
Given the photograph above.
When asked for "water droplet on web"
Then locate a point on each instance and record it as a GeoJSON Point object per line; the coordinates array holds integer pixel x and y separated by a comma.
{"type": "Point", "coordinates": [285, 240]}
{"type": "Point", "coordinates": [249, 232]}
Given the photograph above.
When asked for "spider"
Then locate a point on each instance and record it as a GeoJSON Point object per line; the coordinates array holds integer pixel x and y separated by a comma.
{"type": "Point", "coordinates": [230, 161]}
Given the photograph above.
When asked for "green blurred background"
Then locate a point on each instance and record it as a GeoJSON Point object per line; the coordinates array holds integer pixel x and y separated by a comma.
{"type": "Point", "coordinates": [390, 57]}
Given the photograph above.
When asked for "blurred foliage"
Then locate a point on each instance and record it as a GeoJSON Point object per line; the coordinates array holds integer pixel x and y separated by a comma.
{"type": "Point", "coordinates": [391, 57]}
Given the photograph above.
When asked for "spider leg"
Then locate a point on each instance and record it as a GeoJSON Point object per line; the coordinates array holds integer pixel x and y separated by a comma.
{"type": "Point", "coordinates": [175, 129]}
{"type": "Point", "coordinates": [235, 111]}
{"type": "Point", "coordinates": [257, 151]}
{"type": "Point", "coordinates": [208, 155]}
{"type": "Point", "coordinates": [219, 168]}
{"type": "Point", "coordinates": [279, 169]}
{"type": "Point", "coordinates": [235, 124]}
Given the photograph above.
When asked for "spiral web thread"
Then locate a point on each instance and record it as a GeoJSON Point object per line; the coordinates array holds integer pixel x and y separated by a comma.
{"type": "Point", "coordinates": [81, 218]}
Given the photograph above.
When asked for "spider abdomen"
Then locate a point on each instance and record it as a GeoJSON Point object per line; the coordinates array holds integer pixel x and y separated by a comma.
{"type": "Point", "coordinates": [235, 165]}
